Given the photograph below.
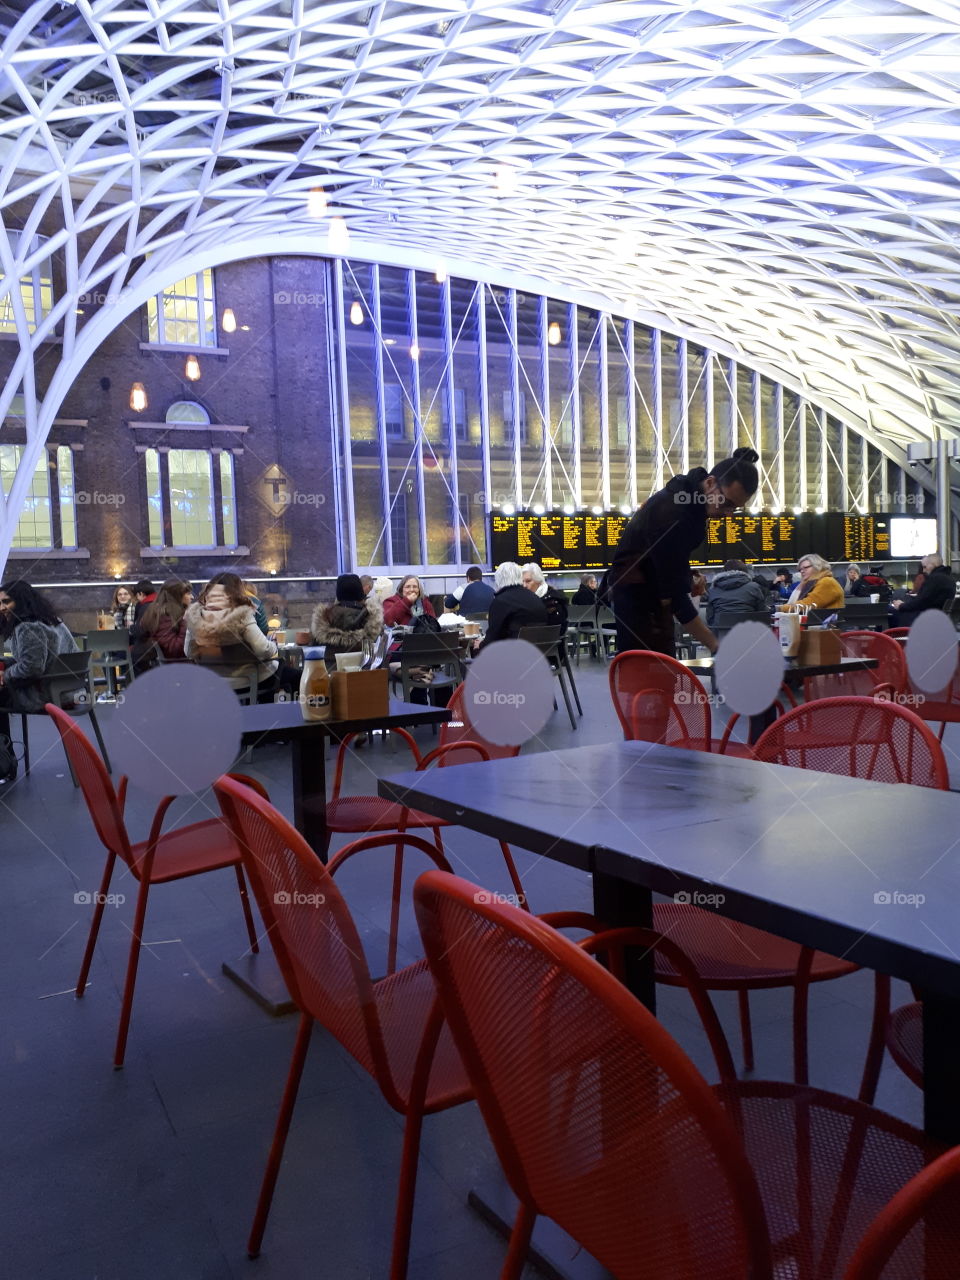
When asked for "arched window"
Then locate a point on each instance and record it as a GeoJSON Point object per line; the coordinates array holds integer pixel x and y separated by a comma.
{"type": "Point", "coordinates": [187, 411]}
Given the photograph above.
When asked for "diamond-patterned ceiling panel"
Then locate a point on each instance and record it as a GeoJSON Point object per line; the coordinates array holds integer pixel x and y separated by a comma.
{"type": "Point", "coordinates": [780, 179]}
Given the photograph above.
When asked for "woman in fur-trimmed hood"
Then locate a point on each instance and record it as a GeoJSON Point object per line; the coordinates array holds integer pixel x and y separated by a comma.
{"type": "Point", "coordinates": [222, 629]}
{"type": "Point", "coordinates": [352, 618]}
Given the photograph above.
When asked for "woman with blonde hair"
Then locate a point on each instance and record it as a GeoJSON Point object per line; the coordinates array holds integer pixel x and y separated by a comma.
{"type": "Point", "coordinates": [817, 588]}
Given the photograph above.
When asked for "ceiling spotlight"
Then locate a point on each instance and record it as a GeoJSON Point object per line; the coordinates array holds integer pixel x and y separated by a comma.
{"type": "Point", "coordinates": [505, 179]}
{"type": "Point", "coordinates": [338, 236]}
{"type": "Point", "coordinates": [553, 334]}
{"type": "Point", "coordinates": [597, 511]}
{"type": "Point", "coordinates": [440, 274]}
{"type": "Point", "coordinates": [228, 321]}
{"type": "Point", "coordinates": [539, 509]}
{"type": "Point", "coordinates": [316, 202]}
{"type": "Point", "coordinates": [568, 510]}
{"type": "Point", "coordinates": [356, 312]}
{"type": "Point", "coordinates": [138, 397]}
{"type": "Point", "coordinates": [820, 511]}
{"type": "Point", "coordinates": [775, 511]}
{"type": "Point", "coordinates": [414, 351]}
{"type": "Point", "coordinates": [625, 509]}
{"type": "Point", "coordinates": [508, 509]}
{"type": "Point", "coordinates": [191, 370]}
{"type": "Point", "coordinates": [798, 511]}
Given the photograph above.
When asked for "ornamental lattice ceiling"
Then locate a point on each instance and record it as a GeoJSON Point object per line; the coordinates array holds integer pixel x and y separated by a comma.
{"type": "Point", "coordinates": [780, 179]}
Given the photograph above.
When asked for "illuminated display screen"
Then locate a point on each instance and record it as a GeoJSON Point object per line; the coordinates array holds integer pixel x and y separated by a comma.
{"type": "Point", "coordinates": [912, 537]}
{"type": "Point", "coordinates": [559, 543]}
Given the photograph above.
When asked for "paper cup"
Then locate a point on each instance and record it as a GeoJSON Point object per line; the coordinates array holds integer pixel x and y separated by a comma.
{"type": "Point", "coordinates": [875, 599]}
{"type": "Point", "coordinates": [349, 661]}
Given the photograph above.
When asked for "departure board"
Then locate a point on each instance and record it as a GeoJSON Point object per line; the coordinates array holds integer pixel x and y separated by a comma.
{"type": "Point", "coordinates": [760, 539]}
{"type": "Point", "coordinates": [559, 543]}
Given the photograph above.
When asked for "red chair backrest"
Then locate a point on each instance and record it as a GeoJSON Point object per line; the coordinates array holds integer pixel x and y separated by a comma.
{"type": "Point", "coordinates": [459, 729]}
{"type": "Point", "coordinates": [918, 1232]}
{"type": "Point", "coordinates": [314, 938]}
{"type": "Point", "coordinates": [857, 738]}
{"type": "Point", "coordinates": [95, 783]}
{"type": "Point", "coordinates": [891, 668]}
{"type": "Point", "coordinates": [658, 700]}
{"type": "Point", "coordinates": [599, 1119]}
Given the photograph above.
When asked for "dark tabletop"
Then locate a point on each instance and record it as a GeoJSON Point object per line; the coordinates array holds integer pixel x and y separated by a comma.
{"type": "Point", "coordinates": [793, 670]}
{"type": "Point", "coordinates": [792, 850]}
{"type": "Point", "coordinates": [284, 720]}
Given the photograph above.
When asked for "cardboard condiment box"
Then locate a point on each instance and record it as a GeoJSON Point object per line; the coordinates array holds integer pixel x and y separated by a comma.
{"type": "Point", "coordinates": [360, 695]}
{"type": "Point", "coordinates": [819, 646]}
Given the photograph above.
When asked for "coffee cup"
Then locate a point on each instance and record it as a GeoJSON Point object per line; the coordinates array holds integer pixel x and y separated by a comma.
{"type": "Point", "coordinates": [349, 661]}
{"type": "Point", "coordinates": [875, 599]}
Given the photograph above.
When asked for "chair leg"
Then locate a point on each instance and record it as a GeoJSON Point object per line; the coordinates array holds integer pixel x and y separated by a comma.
{"type": "Point", "coordinates": [136, 942]}
{"type": "Point", "coordinates": [566, 696]}
{"type": "Point", "coordinates": [514, 875]}
{"type": "Point", "coordinates": [95, 924]}
{"type": "Point", "coordinates": [26, 746]}
{"type": "Point", "coordinates": [516, 1258]}
{"type": "Point", "coordinates": [746, 1030]}
{"type": "Point", "coordinates": [406, 1194]}
{"type": "Point", "coordinates": [100, 743]}
{"type": "Point", "coordinates": [801, 1002]}
{"type": "Point", "coordinates": [573, 685]}
{"type": "Point", "coordinates": [247, 914]}
{"type": "Point", "coordinates": [395, 909]}
{"type": "Point", "coordinates": [874, 1059]}
{"type": "Point", "coordinates": [301, 1045]}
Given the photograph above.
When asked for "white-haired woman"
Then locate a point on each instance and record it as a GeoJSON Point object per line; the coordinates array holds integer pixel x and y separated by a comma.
{"type": "Point", "coordinates": [556, 601]}
{"type": "Point", "coordinates": [512, 606]}
{"type": "Point", "coordinates": [817, 588]}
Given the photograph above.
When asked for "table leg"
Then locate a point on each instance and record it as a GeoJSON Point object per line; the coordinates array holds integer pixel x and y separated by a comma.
{"type": "Point", "coordinates": [941, 1066]}
{"type": "Point", "coordinates": [310, 790]}
{"type": "Point", "coordinates": [761, 722]}
{"type": "Point", "coordinates": [619, 905]}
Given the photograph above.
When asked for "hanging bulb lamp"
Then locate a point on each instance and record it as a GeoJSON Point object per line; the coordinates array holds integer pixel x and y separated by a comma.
{"type": "Point", "coordinates": [228, 321]}
{"type": "Point", "coordinates": [138, 397]}
{"type": "Point", "coordinates": [338, 237]}
{"type": "Point", "coordinates": [316, 202]}
{"type": "Point", "coordinates": [356, 313]}
{"type": "Point", "coordinates": [191, 370]}
{"type": "Point", "coordinates": [553, 334]}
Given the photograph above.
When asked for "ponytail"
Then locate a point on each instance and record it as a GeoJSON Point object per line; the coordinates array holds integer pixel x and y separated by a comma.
{"type": "Point", "coordinates": [740, 469]}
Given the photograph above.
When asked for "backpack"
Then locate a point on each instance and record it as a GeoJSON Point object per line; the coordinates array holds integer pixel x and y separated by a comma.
{"type": "Point", "coordinates": [425, 625]}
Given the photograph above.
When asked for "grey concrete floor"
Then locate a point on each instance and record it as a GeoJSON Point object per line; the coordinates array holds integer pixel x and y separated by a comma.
{"type": "Point", "coordinates": [152, 1172]}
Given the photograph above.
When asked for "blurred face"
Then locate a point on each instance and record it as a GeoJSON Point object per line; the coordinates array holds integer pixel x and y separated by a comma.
{"type": "Point", "coordinates": [529, 581]}
{"type": "Point", "coordinates": [123, 596]}
{"type": "Point", "coordinates": [723, 498]}
{"type": "Point", "coordinates": [216, 598]}
{"type": "Point", "coordinates": [592, 584]}
{"type": "Point", "coordinates": [926, 565]}
{"type": "Point", "coordinates": [6, 605]}
{"type": "Point", "coordinates": [186, 598]}
{"type": "Point", "coordinates": [853, 574]}
{"type": "Point", "coordinates": [806, 570]}
{"type": "Point", "coordinates": [411, 591]}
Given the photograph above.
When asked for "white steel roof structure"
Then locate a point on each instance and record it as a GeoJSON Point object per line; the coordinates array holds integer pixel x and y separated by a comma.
{"type": "Point", "coordinates": [778, 180]}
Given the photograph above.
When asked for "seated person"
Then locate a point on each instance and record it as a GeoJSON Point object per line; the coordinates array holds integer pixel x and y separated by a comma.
{"type": "Point", "coordinates": [817, 588]}
{"type": "Point", "coordinates": [586, 593]}
{"type": "Point", "coordinates": [877, 585]}
{"type": "Point", "coordinates": [513, 606]}
{"type": "Point", "coordinates": [222, 630]}
{"type": "Point", "coordinates": [733, 590]}
{"type": "Point", "coordinates": [939, 589]}
{"type": "Point", "coordinates": [163, 624]}
{"type": "Point", "coordinates": [123, 608]}
{"type": "Point", "coordinates": [451, 612]}
{"type": "Point", "coordinates": [144, 593]}
{"type": "Point", "coordinates": [475, 594]}
{"type": "Point", "coordinates": [409, 603]}
{"type": "Point", "coordinates": [783, 583]}
{"type": "Point", "coordinates": [350, 621]}
{"type": "Point", "coordinates": [32, 631]}
{"type": "Point", "coordinates": [854, 584]}
{"type": "Point", "coordinates": [556, 601]}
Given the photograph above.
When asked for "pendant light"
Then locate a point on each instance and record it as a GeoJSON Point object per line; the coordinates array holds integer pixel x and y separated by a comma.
{"type": "Point", "coordinates": [338, 236]}
{"type": "Point", "coordinates": [356, 312]}
{"type": "Point", "coordinates": [228, 321]}
{"type": "Point", "coordinates": [316, 202]}
{"type": "Point", "coordinates": [138, 397]}
{"type": "Point", "coordinates": [191, 370]}
{"type": "Point", "coordinates": [553, 334]}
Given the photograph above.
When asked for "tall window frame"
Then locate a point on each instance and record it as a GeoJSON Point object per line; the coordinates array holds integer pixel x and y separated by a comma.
{"type": "Point", "coordinates": [184, 314]}
{"type": "Point", "coordinates": [191, 499]}
{"type": "Point", "coordinates": [36, 288]}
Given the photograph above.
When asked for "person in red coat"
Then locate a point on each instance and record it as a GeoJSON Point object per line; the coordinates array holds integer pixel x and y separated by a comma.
{"type": "Point", "coordinates": [409, 603]}
{"type": "Point", "coordinates": [163, 623]}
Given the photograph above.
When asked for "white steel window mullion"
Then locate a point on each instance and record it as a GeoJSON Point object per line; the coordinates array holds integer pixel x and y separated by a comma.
{"type": "Point", "coordinates": [883, 502]}
{"type": "Point", "coordinates": [683, 425]}
{"type": "Point", "coordinates": [451, 398]}
{"type": "Point", "coordinates": [802, 454]}
{"type": "Point", "coordinates": [779, 436]}
{"type": "Point", "coordinates": [756, 420]}
{"type": "Point", "coordinates": [417, 419]}
{"type": "Point", "coordinates": [824, 460]}
{"type": "Point", "coordinates": [603, 370]}
{"type": "Point", "coordinates": [733, 418]}
{"type": "Point", "coordinates": [515, 396]}
{"type": "Point", "coordinates": [847, 499]}
{"type": "Point", "coordinates": [709, 425]}
{"type": "Point", "coordinates": [542, 333]}
{"type": "Point", "coordinates": [344, 415]}
{"type": "Point", "coordinates": [574, 351]}
{"type": "Point", "coordinates": [864, 475]}
{"type": "Point", "coordinates": [656, 354]}
{"type": "Point", "coordinates": [479, 301]}
{"type": "Point", "coordinates": [381, 394]}
{"type": "Point", "coordinates": [631, 418]}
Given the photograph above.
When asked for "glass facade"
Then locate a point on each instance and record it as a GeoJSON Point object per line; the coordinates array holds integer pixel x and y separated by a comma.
{"type": "Point", "coordinates": [184, 315]}
{"type": "Point", "coordinates": [36, 290]}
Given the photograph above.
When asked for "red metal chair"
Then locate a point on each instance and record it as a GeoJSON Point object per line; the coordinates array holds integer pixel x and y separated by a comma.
{"type": "Point", "coordinates": [162, 857]}
{"type": "Point", "coordinates": [901, 1032]}
{"type": "Point", "coordinates": [584, 1092]}
{"type": "Point", "coordinates": [917, 1235]}
{"type": "Point", "coordinates": [887, 679]}
{"type": "Point", "coordinates": [897, 633]}
{"type": "Point", "coordinates": [857, 738]}
{"type": "Point", "coordinates": [657, 699]}
{"type": "Point", "coordinates": [390, 1027]}
{"type": "Point", "coordinates": [941, 708]}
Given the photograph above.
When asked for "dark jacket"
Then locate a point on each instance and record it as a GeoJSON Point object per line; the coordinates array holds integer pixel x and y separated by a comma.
{"type": "Point", "coordinates": [939, 588]}
{"type": "Point", "coordinates": [654, 551]}
{"type": "Point", "coordinates": [35, 647]}
{"type": "Point", "coordinates": [396, 611]}
{"type": "Point", "coordinates": [477, 598]}
{"type": "Point", "coordinates": [734, 591]}
{"type": "Point", "coordinates": [584, 595]}
{"type": "Point", "coordinates": [169, 637]}
{"type": "Point", "coordinates": [877, 585]}
{"type": "Point", "coordinates": [857, 590]}
{"type": "Point", "coordinates": [511, 609]}
{"type": "Point", "coordinates": [343, 627]}
{"type": "Point", "coordinates": [557, 607]}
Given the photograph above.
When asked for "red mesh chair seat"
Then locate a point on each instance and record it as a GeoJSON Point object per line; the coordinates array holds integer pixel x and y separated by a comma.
{"type": "Point", "coordinates": [603, 1124]}
{"type": "Point", "coordinates": [730, 955]}
{"type": "Point", "coordinates": [372, 813]}
{"type": "Point", "coordinates": [189, 851]}
{"type": "Point", "coordinates": [404, 1003]}
{"type": "Point", "coordinates": [905, 1040]}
